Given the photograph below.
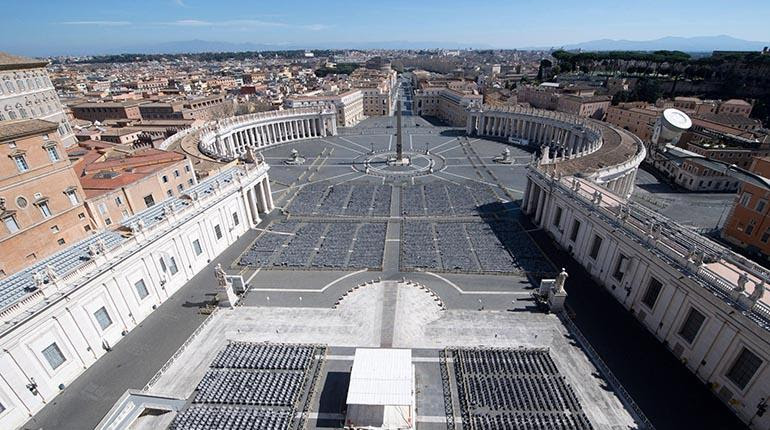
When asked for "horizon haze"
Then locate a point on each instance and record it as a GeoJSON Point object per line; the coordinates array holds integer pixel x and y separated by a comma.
{"type": "Point", "coordinates": [86, 27]}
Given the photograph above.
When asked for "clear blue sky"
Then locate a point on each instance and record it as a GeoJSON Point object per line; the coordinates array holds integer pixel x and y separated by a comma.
{"type": "Point", "coordinates": [37, 27]}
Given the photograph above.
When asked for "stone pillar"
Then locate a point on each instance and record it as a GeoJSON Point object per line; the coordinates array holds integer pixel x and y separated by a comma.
{"type": "Point", "coordinates": [251, 207]}
{"type": "Point", "coordinates": [259, 199]}
{"type": "Point", "coordinates": [531, 197]}
{"type": "Point", "coordinates": [540, 203]}
{"type": "Point", "coordinates": [525, 197]}
{"type": "Point", "coordinates": [247, 205]}
{"type": "Point", "coordinates": [268, 194]}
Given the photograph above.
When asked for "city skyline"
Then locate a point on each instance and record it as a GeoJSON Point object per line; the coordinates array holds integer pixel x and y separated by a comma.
{"type": "Point", "coordinates": [87, 27]}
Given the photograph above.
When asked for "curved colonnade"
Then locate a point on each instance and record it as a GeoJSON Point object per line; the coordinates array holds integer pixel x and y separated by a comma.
{"type": "Point", "coordinates": [231, 138]}
{"type": "Point", "coordinates": [569, 144]}
{"type": "Point", "coordinates": [566, 136]}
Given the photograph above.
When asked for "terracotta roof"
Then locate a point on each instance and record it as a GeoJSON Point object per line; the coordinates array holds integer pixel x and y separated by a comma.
{"type": "Point", "coordinates": [16, 129]}
{"type": "Point", "coordinates": [102, 170]}
{"type": "Point", "coordinates": [10, 62]}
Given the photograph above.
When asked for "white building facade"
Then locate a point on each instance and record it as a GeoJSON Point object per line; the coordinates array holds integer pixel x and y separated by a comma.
{"type": "Point", "coordinates": [71, 308]}
{"type": "Point", "coordinates": [26, 91]}
{"type": "Point", "coordinates": [704, 302]}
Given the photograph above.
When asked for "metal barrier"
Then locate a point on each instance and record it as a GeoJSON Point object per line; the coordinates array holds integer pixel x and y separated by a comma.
{"type": "Point", "coordinates": [179, 351]}
{"type": "Point", "coordinates": [621, 392]}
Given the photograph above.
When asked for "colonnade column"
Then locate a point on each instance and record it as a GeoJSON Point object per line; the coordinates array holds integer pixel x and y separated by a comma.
{"type": "Point", "coordinates": [268, 194]}
{"type": "Point", "coordinates": [540, 201]}
{"type": "Point", "coordinates": [525, 197]}
{"type": "Point", "coordinates": [249, 199]}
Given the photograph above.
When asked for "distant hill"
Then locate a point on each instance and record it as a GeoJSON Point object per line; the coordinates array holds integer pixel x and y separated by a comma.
{"type": "Point", "coordinates": [672, 43]}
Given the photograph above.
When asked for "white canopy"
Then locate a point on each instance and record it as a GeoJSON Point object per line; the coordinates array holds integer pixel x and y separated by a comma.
{"type": "Point", "coordinates": [381, 391]}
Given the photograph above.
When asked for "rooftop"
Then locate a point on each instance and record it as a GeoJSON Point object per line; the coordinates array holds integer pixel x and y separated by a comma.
{"type": "Point", "coordinates": [17, 129]}
{"type": "Point", "coordinates": [381, 377]}
{"type": "Point", "coordinates": [10, 62]}
{"type": "Point", "coordinates": [91, 159]}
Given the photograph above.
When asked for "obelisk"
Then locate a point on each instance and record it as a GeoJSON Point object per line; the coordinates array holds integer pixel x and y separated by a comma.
{"type": "Point", "coordinates": [399, 148]}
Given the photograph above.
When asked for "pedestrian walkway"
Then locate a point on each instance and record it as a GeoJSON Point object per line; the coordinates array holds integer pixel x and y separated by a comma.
{"type": "Point", "coordinates": [134, 360]}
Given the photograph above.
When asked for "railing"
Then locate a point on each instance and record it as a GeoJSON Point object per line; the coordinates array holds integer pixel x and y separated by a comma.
{"type": "Point", "coordinates": [621, 392]}
{"type": "Point", "coordinates": [179, 351]}
{"type": "Point", "coordinates": [632, 163]}
{"type": "Point", "coordinates": [669, 247]}
{"type": "Point", "coordinates": [566, 118]}
{"type": "Point", "coordinates": [74, 277]}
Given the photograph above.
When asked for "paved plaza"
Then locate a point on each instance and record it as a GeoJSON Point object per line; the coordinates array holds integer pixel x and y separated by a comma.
{"type": "Point", "coordinates": [435, 257]}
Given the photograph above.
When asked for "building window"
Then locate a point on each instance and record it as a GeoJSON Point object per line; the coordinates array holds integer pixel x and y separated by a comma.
{"type": "Point", "coordinates": [54, 229]}
{"type": "Point", "coordinates": [118, 201]}
{"type": "Point", "coordinates": [575, 230]}
{"type": "Point", "coordinates": [595, 247]}
{"type": "Point", "coordinates": [180, 188]}
{"type": "Point", "coordinates": [765, 236]}
{"type": "Point", "coordinates": [54, 356]}
{"type": "Point", "coordinates": [103, 318]}
{"type": "Point", "coordinates": [72, 196]}
{"type": "Point", "coordinates": [191, 181]}
{"type": "Point", "coordinates": [218, 231]}
{"type": "Point", "coordinates": [169, 193]}
{"type": "Point", "coordinates": [745, 199]}
{"type": "Point", "coordinates": [21, 163]}
{"type": "Point", "coordinates": [2, 407]}
{"type": "Point", "coordinates": [164, 178]}
{"type": "Point", "coordinates": [108, 221]}
{"type": "Point", "coordinates": [197, 247]}
{"type": "Point", "coordinates": [11, 224]}
{"type": "Point", "coordinates": [744, 368]}
{"type": "Point", "coordinates": [691, 325]}
{"type": "Point", "coordinates": [162, 265]}
{"type": "Point", "coordinates": [87, 227]}
{"type": "Point", "coordinates": [187, 169]}
{"type": "Point", "coordinates": [620, 267]}
{"type": "Point", "coordinates": [172, 267]}
{"type": "Point", "coordinates": [61, 242]}
{"type": "Point", "coordinates": [236, 221]}
{"type": "Point", "coordinates": [149, 201]}
{"type": "Point", "coordinates": [749, 228]}
{"type": "Point", "coordinates": [44, 209]}
{"type": "Point", "coordinates": [141, 289]}
{"type": "Point", "coordinates": [53, 154]}
{"type": "Point", "coordinates": [176, 173]}
{"type": "Point", "coordinates": [652, 293]}
{"type": "Point", "coordinates": [81, 215]}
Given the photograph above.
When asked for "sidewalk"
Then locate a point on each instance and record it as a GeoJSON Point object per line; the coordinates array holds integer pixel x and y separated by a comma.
{"type": "Point", "coordinates": [137, 357]}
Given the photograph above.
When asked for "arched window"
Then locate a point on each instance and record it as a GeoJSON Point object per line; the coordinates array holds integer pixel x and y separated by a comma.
{"type": "Point", "coordinates": [9, 86]}
{"type": "Point", "coordinates": [11, 115]}
{"type": "Point", "coordinates": [20, 84]}
{"type": "Point", "coordinates": [23, 112]}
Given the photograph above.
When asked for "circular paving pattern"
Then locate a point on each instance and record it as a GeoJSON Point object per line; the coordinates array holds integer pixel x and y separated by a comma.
{"type": "Point", "coordinates": [377, 164]}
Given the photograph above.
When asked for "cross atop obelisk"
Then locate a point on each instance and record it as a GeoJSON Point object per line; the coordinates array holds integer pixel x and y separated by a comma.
{"type": "Point", "coordinates": [399, 147]}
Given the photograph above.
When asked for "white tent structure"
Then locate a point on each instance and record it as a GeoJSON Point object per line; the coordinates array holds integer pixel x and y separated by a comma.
{"type": "Point", "coordinates": [381, 392]}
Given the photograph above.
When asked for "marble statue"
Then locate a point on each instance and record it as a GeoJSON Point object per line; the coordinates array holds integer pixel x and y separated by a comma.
{"type": "Point", "coordinates": [221, 276]}
{"type": "Point", "coordinates": [561, 278]}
